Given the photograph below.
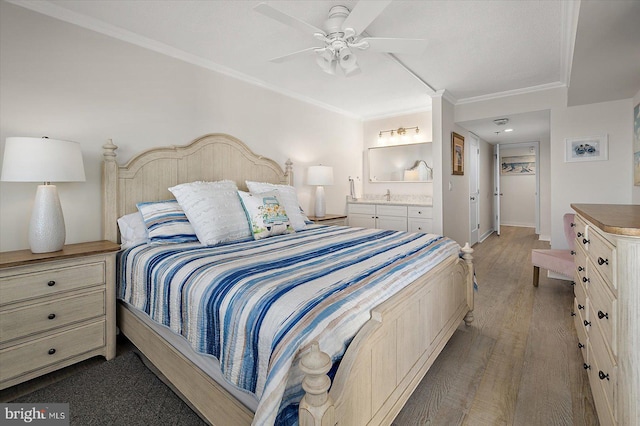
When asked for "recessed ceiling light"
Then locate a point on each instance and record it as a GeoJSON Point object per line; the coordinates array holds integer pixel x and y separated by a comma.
{"type": "Point", "coordinates": [508, 130]}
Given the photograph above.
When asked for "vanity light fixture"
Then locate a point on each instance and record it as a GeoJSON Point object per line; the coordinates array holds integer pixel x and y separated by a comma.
{"type": "Point", "coordinates": [400, 131]}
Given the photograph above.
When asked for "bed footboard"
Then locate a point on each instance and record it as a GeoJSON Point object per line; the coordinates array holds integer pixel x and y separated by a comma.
{"type": "Point", "coordinates": [390, 355]}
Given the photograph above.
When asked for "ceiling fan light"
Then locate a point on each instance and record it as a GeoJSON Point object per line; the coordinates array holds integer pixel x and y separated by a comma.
{"type": "Point", "coordinates": [347, 58]}
{"type": "Point", "coordinates": [326, 62]}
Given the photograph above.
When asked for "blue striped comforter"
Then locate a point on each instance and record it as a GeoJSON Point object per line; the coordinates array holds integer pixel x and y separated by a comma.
{"type": "Point", "coordinates": [254, 304]}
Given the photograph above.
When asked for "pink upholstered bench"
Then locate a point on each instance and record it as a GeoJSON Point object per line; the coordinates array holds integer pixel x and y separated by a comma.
{"type": "Point", "coordinates": [559, 261]}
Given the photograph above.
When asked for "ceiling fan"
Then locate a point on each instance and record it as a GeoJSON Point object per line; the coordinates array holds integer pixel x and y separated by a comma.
{"type": "Point", "coordinates": [342, 33]}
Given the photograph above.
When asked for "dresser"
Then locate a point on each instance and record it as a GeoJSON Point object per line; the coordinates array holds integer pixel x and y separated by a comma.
{"type": "Point", "coordinates": [392, 216]}
{"type": "Point", "coordinates": [607, 307]}
{"type": "Point", "coordinates": [55, 309]}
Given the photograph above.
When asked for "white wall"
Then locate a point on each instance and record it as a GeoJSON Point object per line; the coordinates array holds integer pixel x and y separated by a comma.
{"type": "Point", "coordinates": [486, 189]}
{"type": "Point", "coordinates": [70, 83]}
{"type": "Point", "coordinates": [371, 130]}
{"type": "Point", "coordinates": [518, 202]}
{"type": "Point", "coordinates": [595, 182]}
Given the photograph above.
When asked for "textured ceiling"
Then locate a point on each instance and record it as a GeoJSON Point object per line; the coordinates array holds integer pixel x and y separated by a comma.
{"type": "Point", "coordinates": [475, 49]}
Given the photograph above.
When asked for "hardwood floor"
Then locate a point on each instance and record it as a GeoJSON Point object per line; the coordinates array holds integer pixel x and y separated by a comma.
{"type": "Point", "coordinates": [518, 363]}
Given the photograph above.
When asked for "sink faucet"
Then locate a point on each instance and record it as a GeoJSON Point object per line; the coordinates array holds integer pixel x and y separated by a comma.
{"type": "Point", "coordinates": [388, 195]}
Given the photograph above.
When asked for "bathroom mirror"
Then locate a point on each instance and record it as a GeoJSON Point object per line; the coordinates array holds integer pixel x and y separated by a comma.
{"type": "Point", "coordinates": [401, 163]}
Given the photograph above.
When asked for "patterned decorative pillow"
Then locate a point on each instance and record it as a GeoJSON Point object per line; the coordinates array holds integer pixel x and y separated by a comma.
{"type": "Point", "coordinates": [133, 230]}
{"type": "Point", "coordinates": [214, 210]}
{"type": "Point", "coordinates": [289, 199]}
{"type": "Point", "coordinates": [266, 214]}
{"type": "Point", "coordinates": [166, 222]}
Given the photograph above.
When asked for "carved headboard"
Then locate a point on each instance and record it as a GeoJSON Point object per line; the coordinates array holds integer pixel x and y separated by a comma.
{"type": "Point", "coordinates": [148, 176]}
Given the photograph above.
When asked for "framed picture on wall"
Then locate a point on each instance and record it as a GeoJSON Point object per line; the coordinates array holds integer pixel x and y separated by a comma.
{"type": "Point", "coordinates": [592, 148]}
{"type": "Point", "coordinates": [457, 154]}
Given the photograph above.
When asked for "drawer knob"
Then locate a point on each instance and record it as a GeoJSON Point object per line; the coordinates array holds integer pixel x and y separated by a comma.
{"type": "Point", "coordinates": [580, 268]}
{"type": "Point", "coordinates": [586, 366]}
{"type": "Point", "coordinates": [585, 241]}
{"type": "Point", "coordinates": [51, 283]}
{"type": "Point", "coordinates": [603, 315]}
{"type": "Point", "coordinates": [580, 345]}
{"type": "Point", "coordinates": [573, 283]}
{"type": "Point", "coordinates": [573, 252]}
{"type": "Point", "coordinates": [573, 225]}
{"type": "Point", "coordinates": [586, 323]}
{"type": "Point", "coordinates": [580, 234]}
{"type": "Point", "coordinates": [602, 375]}
{"type": "Point", "coordinates": [419, 228]}
{"type": "Point", "coordinates": [585, 279]}
{"type": "Point", "coordinates": [51, 316]}
{"type": "Point", "coordinates": [602, 261]}
{"type": "Point", "coordinates": [52, 351]}
{"type": "Point", "coordinates": [573, 314]}
{"type": "Point", "coordinates": [580, 306]}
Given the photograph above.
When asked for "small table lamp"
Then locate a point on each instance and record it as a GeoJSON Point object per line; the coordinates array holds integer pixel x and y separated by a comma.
{"type": "Point", "coordinates": [43, 160]}
{"type": "Point", "coordinates": [320, 176]}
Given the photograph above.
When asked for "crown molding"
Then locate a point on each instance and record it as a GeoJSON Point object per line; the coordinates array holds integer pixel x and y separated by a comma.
{"type": "Point", "coordinates": [569, 29]}
{"type": "Point", "coordinates": [62, 14]}
{"type": "Point", "coordinates": [524, 90]}
{"type": "Point", "coordinates": [397, 113]}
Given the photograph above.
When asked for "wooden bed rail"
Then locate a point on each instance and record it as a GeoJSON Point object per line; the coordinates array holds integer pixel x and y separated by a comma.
{"type": "Point", "coordinates": [373, 358]}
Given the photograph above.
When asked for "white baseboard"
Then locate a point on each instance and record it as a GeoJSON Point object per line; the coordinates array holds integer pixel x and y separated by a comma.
{"type": "Point", "coordinates": [542, 237]}
{"type": "Point", "coordinates": [486, 235]}
{"type": "Point", "coordinates": [520, 225]}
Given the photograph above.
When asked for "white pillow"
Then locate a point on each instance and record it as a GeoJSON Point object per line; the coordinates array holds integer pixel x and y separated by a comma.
{"type": "Point", "coordinates": [214, 210]}
{"type": "Point", "coordinates": [133, 231]}
{"type": "Point", "coordinates": [289, 199]}
{"type": "Point", "coordinates": [266, 214]}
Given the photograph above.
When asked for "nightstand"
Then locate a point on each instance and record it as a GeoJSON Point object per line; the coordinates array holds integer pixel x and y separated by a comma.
{"type": "Point", "coordinates": [56, 309]}
{"type": "Point", "coordinates": [330, 219]}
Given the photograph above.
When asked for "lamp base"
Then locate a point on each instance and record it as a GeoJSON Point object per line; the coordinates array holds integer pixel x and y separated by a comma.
{"type": "Point", "coordinates": [320, 206]}
{"type": "Point", "coordinates": [46, 229]}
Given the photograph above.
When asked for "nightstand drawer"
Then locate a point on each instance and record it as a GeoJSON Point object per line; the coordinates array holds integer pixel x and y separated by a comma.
{"type": "Point", "coordinates": [36, 354]}
{"type": "Point", "coordinates": [45, 282]}
{"type": "Point", "coordinates": [49, 314]}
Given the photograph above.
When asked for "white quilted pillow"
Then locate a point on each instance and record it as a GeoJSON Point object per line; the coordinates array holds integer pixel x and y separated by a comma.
{"type": "Point", "coordinates": [214, 210]}
{"type": "Point", "coordinates": [289, 199]}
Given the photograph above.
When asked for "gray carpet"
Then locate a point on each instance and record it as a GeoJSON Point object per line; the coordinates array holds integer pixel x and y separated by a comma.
{"type": "Point", "coordinates": [117, 392]}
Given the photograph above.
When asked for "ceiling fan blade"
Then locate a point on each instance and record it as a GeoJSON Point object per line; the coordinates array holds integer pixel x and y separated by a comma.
{"type": "Point", "coordinates": [289, 20]}
{"type": "Point", "coordinates": [293, 55]}
{"type": "Point", "coordinates": [363, 14]}
{"type": "Point", "coordinates": [395, 45]}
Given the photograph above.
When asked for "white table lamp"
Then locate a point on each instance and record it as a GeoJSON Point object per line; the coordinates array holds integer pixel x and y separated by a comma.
{"type": "Point", "coordinates": [43, 160]}
{"type": "Point", "coordinates": [320, 176]}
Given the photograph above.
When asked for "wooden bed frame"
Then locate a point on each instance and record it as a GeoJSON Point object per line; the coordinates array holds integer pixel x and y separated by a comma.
{"type": "Point", "coordinates": [384, 363]}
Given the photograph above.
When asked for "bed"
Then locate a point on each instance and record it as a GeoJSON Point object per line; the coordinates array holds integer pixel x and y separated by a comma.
{"type": "Point", "coordinates": [397, 341]}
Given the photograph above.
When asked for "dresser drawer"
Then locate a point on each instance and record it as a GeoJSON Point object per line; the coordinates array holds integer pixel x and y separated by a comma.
{"type": "Point", "coordinates": [581, 300]}
{"type": "Point", "coordinates": [580, 330]}
{"type": "Point", "coordinates": [384, 210]}
{"type": "Point", "coordinates": [580, 229]}
{"type": "Point", "coordinates": [420, 212]}
{"type": "Point", "coordinates": [602, 253]}
{"type": "Point", "coordinates": [419, 225]}
{"type": "Point", "coordinates": [603, 309]}
{"type": "Point", "coordinates": [369, 209]}
{"type": "Point", "coordinates": [580, 259]}
{"type": "Point", "coordinates": [603, 377]}
{"type": "Point", "coordinates": [44, 282]}
{"type": "Point", "coordinates": [36, 354]}
{"type": "Point", "coordinates": [49, 314]}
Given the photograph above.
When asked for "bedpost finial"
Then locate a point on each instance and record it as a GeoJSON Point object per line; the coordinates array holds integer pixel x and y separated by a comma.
{"type": "Point", "coordinates": [109, 150]}
{"type": "Point", "coordinates": [316, 407]}
{"type": "Point", "coordinates": [467, 250]}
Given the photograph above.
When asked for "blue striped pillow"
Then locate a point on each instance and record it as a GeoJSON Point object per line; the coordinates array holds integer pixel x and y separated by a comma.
{"type": "Point", "coordinates": [166, 222]}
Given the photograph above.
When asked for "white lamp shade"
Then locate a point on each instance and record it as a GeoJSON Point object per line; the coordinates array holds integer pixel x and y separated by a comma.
{"type": "Point", "coordinates": [42, 160]}
{"type": "Point", "coordinates": [320, 175]}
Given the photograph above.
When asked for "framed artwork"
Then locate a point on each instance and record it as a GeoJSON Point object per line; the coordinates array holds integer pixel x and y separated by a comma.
{"type": "Point", "coordinates": [518, 165]}
{"type": "Point", "coordinates": [636, 145]}
{"type": "Point", "coordinates": [457, 154]}
{"type": "Point", "coordinates": [592, 148]}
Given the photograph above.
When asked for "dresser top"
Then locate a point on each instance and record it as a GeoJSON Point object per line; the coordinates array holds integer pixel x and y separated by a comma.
{"type": "Point", "coordinates": [25, 257]}
{"type": "Point", "coordinates": [619, 219]}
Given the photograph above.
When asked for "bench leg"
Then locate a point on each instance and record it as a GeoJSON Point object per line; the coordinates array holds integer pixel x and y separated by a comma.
{"type": "Point", "coordinates": [536, 275]}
